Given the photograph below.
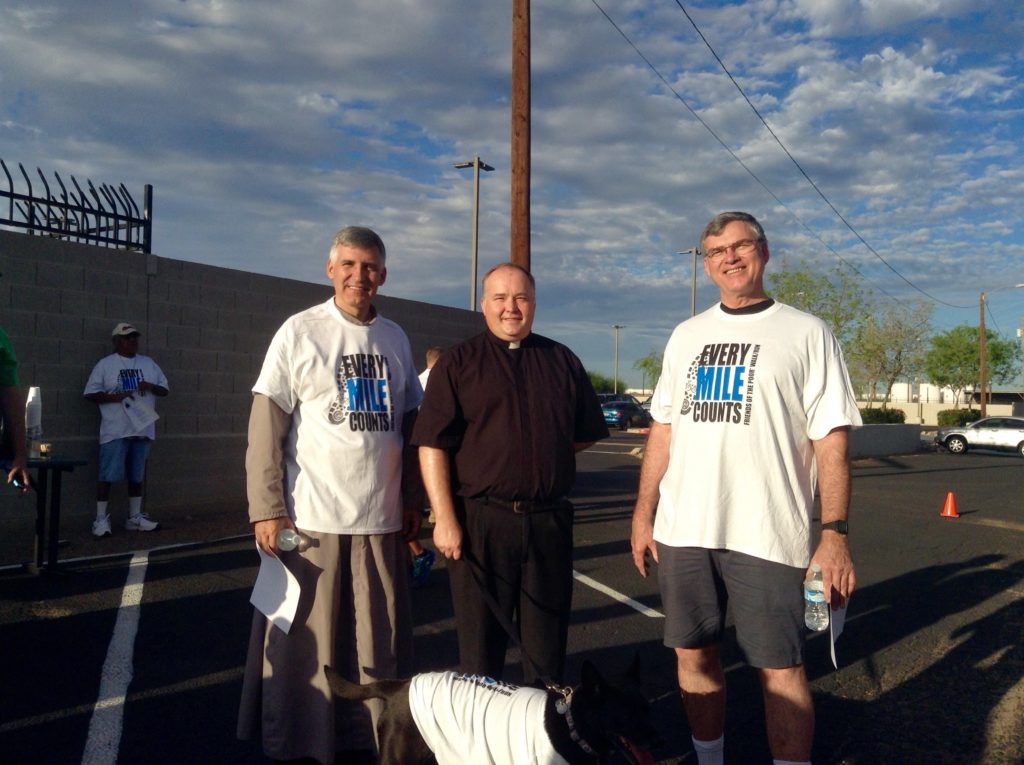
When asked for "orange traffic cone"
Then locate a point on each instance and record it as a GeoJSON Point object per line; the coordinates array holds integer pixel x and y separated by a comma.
{"type": "Point", "coordinates": [949, 509]}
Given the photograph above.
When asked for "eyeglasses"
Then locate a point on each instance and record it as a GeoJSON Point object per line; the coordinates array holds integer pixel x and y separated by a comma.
{"type": "Point", "coordinates": [742, 247]}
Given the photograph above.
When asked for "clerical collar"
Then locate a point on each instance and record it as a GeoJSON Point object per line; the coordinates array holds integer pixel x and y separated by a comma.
{"type": "Point", "coordinates": [511, 345]}
{"type": "Point", "coordinates": [764, 305]}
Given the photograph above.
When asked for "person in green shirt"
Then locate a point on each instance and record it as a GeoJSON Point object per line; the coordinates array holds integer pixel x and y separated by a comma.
{"type": "Point", "coordinates": [12, 409]}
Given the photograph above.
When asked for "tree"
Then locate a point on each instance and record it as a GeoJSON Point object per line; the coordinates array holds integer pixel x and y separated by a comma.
{"type": "Point", "coordinates": [890, 346]}
{"type": "Point", "coordinates": [650, 367]}
{"type": "Point", "coordinates": [603, 384]}
{"type": "Point", "coordinates": [839, 299]}
{"type": "Point", "coordinates": [953, 360]}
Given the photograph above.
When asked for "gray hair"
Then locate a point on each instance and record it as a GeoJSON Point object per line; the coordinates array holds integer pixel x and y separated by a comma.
{"type": "Point", "coordinates": [720, 221]}
{"type": "Point", "coordinates": [361, 238]}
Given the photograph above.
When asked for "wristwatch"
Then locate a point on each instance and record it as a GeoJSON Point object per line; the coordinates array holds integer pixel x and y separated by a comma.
{"type": "Point", "coordinates": [840, 527]}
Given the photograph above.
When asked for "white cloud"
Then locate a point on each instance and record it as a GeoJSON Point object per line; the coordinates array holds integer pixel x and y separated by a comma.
{"type": "Point", "coordinates": [265, 126]}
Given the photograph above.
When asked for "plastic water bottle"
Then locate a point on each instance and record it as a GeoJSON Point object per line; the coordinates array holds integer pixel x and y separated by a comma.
{"type": "Point", "coordinates": [290, 539]}
{"type": "Point", "coordinates": [33, 438]}
{"type": "Point", "coordinates": [815, 607]}
{"type": "Point", "coordinates": [33, 421]}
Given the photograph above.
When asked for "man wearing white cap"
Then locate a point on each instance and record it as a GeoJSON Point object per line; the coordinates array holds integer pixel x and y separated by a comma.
{"type": "Point", "coordinates": [121, 384]}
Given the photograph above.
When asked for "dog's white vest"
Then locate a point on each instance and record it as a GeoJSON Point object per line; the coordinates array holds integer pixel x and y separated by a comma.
{"type": "Point", "coordinates": [473, 719]}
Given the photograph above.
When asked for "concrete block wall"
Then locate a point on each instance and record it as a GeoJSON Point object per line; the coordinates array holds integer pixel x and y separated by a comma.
{"type": "Point", "coordinates": [207, 327]}
{"type": "Point", "coordinates": [927, 413]}
{"type": "Point", "coordinates": [885, 440]}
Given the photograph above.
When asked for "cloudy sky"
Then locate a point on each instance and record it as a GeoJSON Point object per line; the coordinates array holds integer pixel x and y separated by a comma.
{"type": "Point", "coordinates": [265, 126]}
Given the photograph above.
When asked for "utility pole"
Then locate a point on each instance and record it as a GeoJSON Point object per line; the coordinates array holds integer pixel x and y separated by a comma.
{"type": "Point", "coordinates": [477, 166]}
{"type": "Point", "coordinates": [1020, 334]}
{"type": "Point", "coordinates": [981, 350]}
{"type": "Point", "coordinates": [520, 149]}
{"type": "Point", "coordinates": [615, 379]}
{"type": "Point", "coordinates": [695, 251]}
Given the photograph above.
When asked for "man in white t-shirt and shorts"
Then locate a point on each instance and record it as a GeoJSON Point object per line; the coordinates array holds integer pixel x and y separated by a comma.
{"type": "Point", "coordinates": [752, 411]}
{"type": "Point", "coordinates": [123, 385]}
{"type": "Point", "coordinates": [331, 413]}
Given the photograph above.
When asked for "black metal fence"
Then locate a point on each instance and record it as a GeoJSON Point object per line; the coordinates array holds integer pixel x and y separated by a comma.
{"type": "Point", "coordinates": [104, 215]}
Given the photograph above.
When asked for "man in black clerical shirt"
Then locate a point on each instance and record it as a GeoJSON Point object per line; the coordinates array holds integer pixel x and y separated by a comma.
{"type": "Point", "coordinates": [498, 431]}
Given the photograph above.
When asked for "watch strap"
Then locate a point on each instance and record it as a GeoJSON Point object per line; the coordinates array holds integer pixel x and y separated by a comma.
{"type": "Point", "coordinates": [840, 527]}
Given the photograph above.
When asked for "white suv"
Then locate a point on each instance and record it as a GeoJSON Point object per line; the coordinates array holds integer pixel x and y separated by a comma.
{"type": "Point", "coordinates": [988, 433]}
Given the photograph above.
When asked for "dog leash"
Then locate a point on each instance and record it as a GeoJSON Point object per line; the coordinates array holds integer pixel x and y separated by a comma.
{"type": "Point", "coordinates": [506, 624]}
{"type": "Point", "coordinates": [563, 706]}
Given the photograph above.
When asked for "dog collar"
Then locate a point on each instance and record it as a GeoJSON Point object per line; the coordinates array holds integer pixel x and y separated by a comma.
{"type": "Point", "coordinates": [563, 706]}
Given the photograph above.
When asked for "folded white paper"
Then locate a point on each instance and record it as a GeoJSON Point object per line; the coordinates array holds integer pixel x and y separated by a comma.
{"type": "Point", "coordinates": [141, 413]}
{"type": "Point", "coordinates": [276, 593]}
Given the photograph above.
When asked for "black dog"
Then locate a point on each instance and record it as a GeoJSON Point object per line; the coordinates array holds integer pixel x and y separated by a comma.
{"type": "Point", "coordinates": [473, 719]}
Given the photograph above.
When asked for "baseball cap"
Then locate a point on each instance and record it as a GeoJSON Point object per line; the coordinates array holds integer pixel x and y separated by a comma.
{"type": "Point", "coordinates": [124, 329]}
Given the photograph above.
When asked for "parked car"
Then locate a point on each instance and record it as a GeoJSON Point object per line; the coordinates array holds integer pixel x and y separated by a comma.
{"type": "Point", "coordinates": [987, 433]}
{"type": "Point", "coordinates": [607, 398]}
{"type": "Point", "coordinates": [625, 414]}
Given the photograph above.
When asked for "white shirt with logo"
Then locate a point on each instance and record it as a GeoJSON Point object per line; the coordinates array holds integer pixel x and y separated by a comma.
{"type": "Point", "coordinates": [116, 374]}
{"type": "Point", "coordinates": [474, 719]}
{"type": "Point", "coordinates": [347, 386]}
{"type": "Point", "coordinates": [746, 395]}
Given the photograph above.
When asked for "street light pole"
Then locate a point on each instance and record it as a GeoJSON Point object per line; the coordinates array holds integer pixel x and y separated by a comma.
{"type": "Point", "coordinates": [615, 380]}
{"type": "Point", "coordinates": [477, 166]}
{"type": "Point", "coordinates": [981, 350]}
{"type": "Point", "coordinates": [694, 251]}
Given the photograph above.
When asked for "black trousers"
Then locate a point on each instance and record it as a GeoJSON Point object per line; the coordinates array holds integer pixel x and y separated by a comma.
{"type": "Point", "coordinates": [525, 562]}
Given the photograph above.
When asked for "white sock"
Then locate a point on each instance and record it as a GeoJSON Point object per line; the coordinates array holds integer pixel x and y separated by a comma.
{"type": "Point", "coordinates": [790, 762]}
{"type": "Point", "coordinates": [101, 510]}
{"type": "Point", "coordinates": [710, 752]}
{"type": "Point", "coordinates": [134, 506]}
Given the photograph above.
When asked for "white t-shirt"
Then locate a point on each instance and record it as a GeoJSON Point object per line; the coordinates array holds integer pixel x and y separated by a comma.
{"type": "Point", "coordinates": [347, 386]}
{"type": "Point", "coordinates": [424, 376]}
{"type": "Point", "coordinates": [115, 374]}
{"type": "Point", "coordinates": [474, 719]}
{"type": "Point", "coordinates": [746, 395]}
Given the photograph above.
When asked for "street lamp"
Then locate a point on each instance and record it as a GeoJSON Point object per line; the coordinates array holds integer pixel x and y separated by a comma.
{"type": "Point", "coordinates": [981, 350]}
{"type": "Point", "coordinates": [477, 166]}
{"type": "Point", "coordinates": [695, 251]}
{"type": "Point", "coordinates": [615, 380]}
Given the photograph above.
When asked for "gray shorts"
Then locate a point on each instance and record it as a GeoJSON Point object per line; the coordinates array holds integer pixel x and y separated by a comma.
{"type": "Point", "coordinates": [764, 599]}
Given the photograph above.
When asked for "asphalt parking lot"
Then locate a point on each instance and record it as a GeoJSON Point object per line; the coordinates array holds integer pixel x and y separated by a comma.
{"type": "Point", "coordinates": [137, 658]}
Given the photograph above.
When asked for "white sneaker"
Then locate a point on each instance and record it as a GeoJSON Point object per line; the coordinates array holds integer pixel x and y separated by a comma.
{"type": "Point", "coordinates": [140, 523]}
{"type": "Point", "coordinates": [101, 527]}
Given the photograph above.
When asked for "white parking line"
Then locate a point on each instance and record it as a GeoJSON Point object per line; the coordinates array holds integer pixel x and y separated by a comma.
{"type": "Point", "coordinates": [635, 605]}
{"type": "Point", "coordinates": [206, 681]}
{"type": "Point", "coordinates": [104, 740]}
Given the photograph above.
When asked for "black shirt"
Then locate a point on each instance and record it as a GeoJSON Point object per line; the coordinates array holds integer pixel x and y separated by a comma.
{"type": "Point", "coordinates": [510, 416]}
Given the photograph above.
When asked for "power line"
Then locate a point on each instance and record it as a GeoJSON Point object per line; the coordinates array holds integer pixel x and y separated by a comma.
{"type": "Point", "coordinates": [801, 169]}
{"type": "Point", "coordinates": [753, 175]}
{"type": "Point", "coordinates": [725, 146]}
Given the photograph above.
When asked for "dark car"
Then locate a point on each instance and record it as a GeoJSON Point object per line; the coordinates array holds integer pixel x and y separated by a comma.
{"type": "Point", "coordinates": [625, 414]}
{"type": "Point", "coordinates": [608, 398]}
{"type": "Point", "coordinates": [987, 433]}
